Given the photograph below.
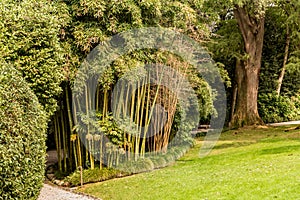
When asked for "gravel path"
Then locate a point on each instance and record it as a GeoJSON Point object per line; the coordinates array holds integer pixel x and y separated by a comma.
{"type": "Point", "coordinates": [50, 192]}
{"type": "Point", "coordinates": [285, 123]}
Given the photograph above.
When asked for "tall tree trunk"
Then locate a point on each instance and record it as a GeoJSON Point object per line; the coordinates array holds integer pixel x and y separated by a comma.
{"type": "Point", "coordinates": [286, 55]}
{"type": "Point", "coordinates": [247, 70]}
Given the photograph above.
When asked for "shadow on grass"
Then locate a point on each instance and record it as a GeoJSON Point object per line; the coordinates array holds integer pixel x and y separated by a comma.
{"type": "Point", "coordinates": [279, 139]}
{"type": "Point", "coordinates": [278, 150]}
{"type": "Point", "coordinates": [234, 144]}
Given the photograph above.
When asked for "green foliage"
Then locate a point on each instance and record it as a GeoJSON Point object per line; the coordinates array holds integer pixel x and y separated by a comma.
{"type": "Point", "coordinates": [22, 138]}
{"type": "Point", "coordinates": [278, 19]}
{"type": "Point", "coordinates": [95, 21]}
{"type": "Point", "coordinates": [125, 134]}
{"type": "Point", "coordinates": [274, 108]}
{"type": "Point", "coordinates": [293, 20]}
{"type": "Point", "coordinates": [273, 50]}
{"type": "Point", "coordinates": [227, 47]}
{"type": "Point", "coordinates": [255, 8]}
{"type": "Point", "coordinates": [138, 166]}
{"type": "Point", "coordinates": [30, 40]}
{"type": "Point", "coordinates": [156, 161]}
{"type": "Point", "coordinates": [110, 128]}
{"type": "Point", "coordinates": [227, 43]}
{"type": "Point", "coordinates": [291, 84]}
{"type": "Point", "coordinates": [127, 168]}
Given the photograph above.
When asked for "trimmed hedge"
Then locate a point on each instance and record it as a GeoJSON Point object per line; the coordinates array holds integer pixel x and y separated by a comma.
{"type": "Point", "coordinates": [22, 138]}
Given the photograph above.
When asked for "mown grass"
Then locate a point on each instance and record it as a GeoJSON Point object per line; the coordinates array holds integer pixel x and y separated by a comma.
{"type": "Point", "coordinates": [256, 163]}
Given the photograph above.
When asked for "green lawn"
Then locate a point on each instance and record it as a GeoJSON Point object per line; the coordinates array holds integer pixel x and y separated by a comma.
{"type": "Point", "coordinates": [263, 163]}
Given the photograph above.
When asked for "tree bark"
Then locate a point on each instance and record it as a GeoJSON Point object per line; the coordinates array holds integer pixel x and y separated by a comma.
{"type": "Point", "coordinates": [247, 70]}
{"type": "Point", "coordinates": [286, 54]}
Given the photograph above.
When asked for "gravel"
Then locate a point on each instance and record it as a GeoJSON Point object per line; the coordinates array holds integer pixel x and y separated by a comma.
{"type": "Point", "coordinates": [50, 192]}
{"type": "Point", "coordinates": [285, 123]}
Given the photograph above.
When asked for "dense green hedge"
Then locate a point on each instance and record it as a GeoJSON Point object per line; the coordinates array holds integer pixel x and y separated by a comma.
{"type": "Point", "coordinates": [22, 138]}
{"type": "Point", "coordinates": [274, 108]}
{"type": "Point", "coordinates": [29, 38]}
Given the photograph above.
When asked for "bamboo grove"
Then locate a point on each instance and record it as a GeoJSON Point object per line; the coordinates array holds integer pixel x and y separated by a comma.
{"type": "Point", "coordinates": [137, 113]}
{"type": "Point", "coordinates": [126, 124]}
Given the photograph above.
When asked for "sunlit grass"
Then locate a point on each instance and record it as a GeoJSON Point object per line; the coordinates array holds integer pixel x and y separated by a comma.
{"type": "Point", "coordinates": [263, 163]}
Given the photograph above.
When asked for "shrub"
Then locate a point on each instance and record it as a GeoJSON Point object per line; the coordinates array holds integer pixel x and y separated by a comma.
{"type": "Point", "coordinates": [169, 157]}
{"type": "Point", "coordinates": [93, 175]}
{"type": "Point", "coordinates": [141, 165]}
{"type": "Point", "coordinates": [274, 108]}
{"type": "Point", "coordinates": [128, 167]}
{"type": "Point", "coordinates": [178, 151]}
{"type": "Point", "coordinates": [158, 162]}
{"type": "Point", "coordinates": [22, 138]}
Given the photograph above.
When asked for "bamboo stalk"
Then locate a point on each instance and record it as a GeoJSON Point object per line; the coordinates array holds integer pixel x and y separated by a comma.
{"type": "Point", "coordinates": [75, 153]}
{"type": "Point", "coordinates": [90, 153]}
{"type": "Point", "coordinates": [78, 149]}
{"type": "Point", "coordinates": [137, 116]}
{"type": "Point", "coordinates": [90, 143]}
{"type": "Point", "coordinates": [58, 143]}
{"type": "Point", "coordinates": [172, 99]}
{"type": "Point", "coordinates": [121, 104]}
{"type": "Point", "coordinates": [155, 97]}
{"type": "Point", "coordinates": [105, 104]}
{"type": "Point", "coordinates": [147, 120]}
{"type": "Point", "coordinates": [97, 97]}
{"type": "Point", "coordinates": [117, 158]}
{"type": "Point", "coordinates": [126, 104]}
{"type": "Point", "coordinates": [130, 138]}
{"type": "Point", "coordinates": [70, 124]}
{"type": "Point", "coordinates": [64, 138]}
{"type": "Point", "coordinates": [101, 151]}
